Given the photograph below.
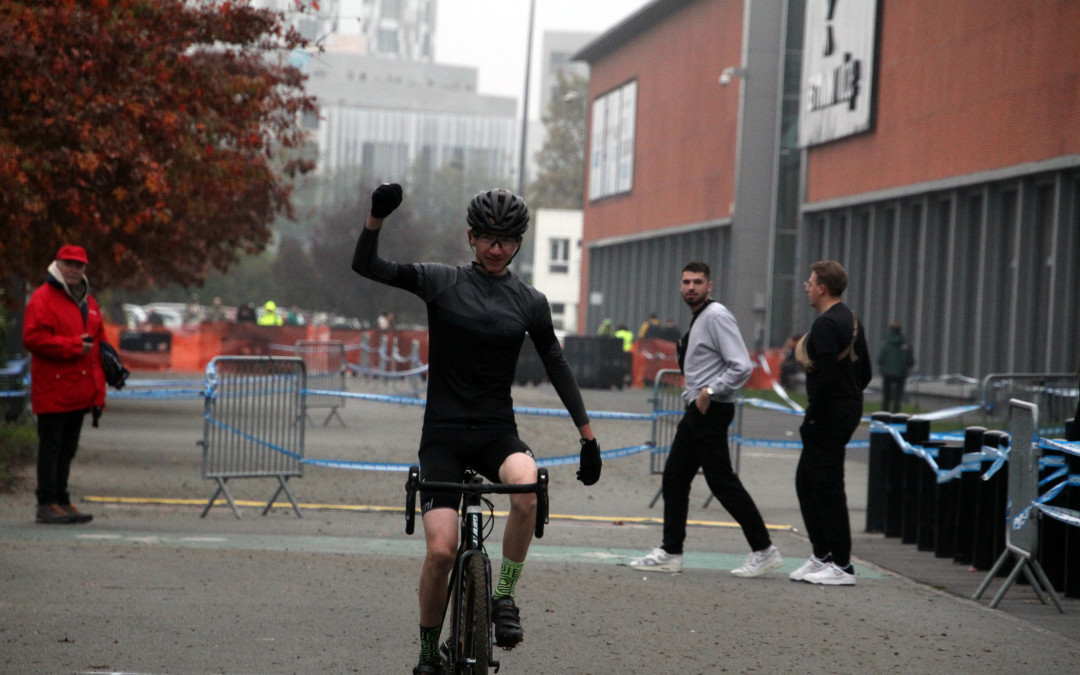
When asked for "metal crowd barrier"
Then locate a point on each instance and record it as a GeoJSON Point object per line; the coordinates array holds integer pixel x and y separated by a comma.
{"type": "Point", "coordinates": [397, 371]}
{"type": "Point", "coordinates": [988, 497]}
{"type": "Point", "coordinates": [253, 423]}
{"type": "Point", "coordinates": [326, 365]}
{"type": "Point", "coordinates": [668, 409]}
{"type": "Point", "coordinates": [1022, 532]}
{"type": "Point", "coordinates": [1054, 393]}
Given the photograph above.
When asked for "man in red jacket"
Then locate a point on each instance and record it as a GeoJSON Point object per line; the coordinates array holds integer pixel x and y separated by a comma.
{"type": "Point", "coordinates": [62, 330]}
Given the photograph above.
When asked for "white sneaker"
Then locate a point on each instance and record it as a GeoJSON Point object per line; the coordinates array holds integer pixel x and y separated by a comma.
{"type": "Point", "coordinates": [812, 564]}
{"type": "Point", "coordinates": [759, 562]}
{"type": "Point", "coordinates": [659, 560]}
{"type": "Point", "coordinates": [830, 575]}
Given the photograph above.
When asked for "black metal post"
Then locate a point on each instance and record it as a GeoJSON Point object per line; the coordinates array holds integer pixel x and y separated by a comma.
{"type": "Point", "coordinates": [967, 507]}
{"type": "Point", "coordinates": [894, 469]}
{"type": "Point", "coordinates": [877, 482]}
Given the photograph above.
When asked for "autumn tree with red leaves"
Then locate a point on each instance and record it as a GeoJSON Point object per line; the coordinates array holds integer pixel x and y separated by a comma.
{"type": "Point", "coordinates": [160, 135]}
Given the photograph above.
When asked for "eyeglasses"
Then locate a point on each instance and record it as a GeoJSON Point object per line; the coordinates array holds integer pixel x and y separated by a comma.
{"type": "Point", "coordinates": [810, 284]}
{"type": "Point", "coordinates": [491, 240]}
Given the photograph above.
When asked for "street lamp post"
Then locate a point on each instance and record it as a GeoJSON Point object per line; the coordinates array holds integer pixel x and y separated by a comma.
{"type": "Point", "coordinates": [525, 102]}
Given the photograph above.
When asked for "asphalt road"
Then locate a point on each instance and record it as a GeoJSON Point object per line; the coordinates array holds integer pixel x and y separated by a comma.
{"type": "Point", "coordinates": [150, 587]}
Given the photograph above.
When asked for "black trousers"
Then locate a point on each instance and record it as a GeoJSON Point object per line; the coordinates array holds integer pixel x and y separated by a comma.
{"type": "Point", "coordinates": [892, 392]}
{"type": "Point", "coordinates": [58, 439]}
{"type": "Point", "coordinates": [819, 485]}
{"type": "Point", "coordinates": [701, 443]}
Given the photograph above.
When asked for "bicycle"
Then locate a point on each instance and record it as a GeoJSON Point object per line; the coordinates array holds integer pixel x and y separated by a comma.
{"type": "Point", "coordinates": [469, 645]}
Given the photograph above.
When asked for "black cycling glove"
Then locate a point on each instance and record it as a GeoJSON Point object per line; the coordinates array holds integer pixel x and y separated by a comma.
{"type": "Point", "coordinates": [589, 467]}
{"type": "Point", "coordinates": [385, 199]}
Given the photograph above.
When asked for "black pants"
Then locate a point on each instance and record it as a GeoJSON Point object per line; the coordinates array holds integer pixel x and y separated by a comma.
{"type": "Point", "coordinates": [892, 392]}
{"type": "Point", "coordinates": [58, 439]}
{"type": "Point", "coordinates": [701, 443]}
{"type": "Point", "coordinates": [819, 484]}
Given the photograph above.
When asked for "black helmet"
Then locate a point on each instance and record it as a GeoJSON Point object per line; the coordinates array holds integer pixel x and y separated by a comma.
{"type": "Point", "coordinates": [498, 212]}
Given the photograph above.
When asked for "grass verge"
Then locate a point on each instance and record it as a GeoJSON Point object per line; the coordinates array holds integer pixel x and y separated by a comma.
{"type": "Point", "coordinates": [18, 444]}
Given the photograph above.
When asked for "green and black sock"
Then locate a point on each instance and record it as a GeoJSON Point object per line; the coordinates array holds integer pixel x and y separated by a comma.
{"type": "Point", "coordinates": [429, 644]}
{"type": "Point", "coordinates": [508, 578]}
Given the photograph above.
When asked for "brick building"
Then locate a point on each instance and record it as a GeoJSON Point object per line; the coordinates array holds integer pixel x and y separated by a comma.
{"type": "Point", "coordinates": [932, 148]}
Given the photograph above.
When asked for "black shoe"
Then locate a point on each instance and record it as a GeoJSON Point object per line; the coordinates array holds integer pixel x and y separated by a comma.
{"type": "Point", "coordinates": [428, 668]}
{"type": "Point", "coordinates": [78, 516]}
{"type": "Point", "coordinates": [51, 514]}
{"type": "Point", "coordinates": [507, 620]}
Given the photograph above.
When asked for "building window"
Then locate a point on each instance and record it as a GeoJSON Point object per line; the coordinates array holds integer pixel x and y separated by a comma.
{"type": "Point", "coordinates": [391, 9]}
{"type": "Point", "coordinates": [560, 256]}
{"type": "Point", "coordinates": [611, 147]}
{"type": "Point", "coordinates": [388, 41]}
{"type": "Point", "coordinates": [558, 315]}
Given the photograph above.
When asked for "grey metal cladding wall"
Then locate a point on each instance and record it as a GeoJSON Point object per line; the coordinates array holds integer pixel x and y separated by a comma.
{"type": "Point", "coordinates": [638, 277]}
{"type": "Point", "coordinates": [985, 278]}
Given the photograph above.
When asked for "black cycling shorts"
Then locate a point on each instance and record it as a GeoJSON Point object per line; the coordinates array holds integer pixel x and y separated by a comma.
{"type": "Point", "coordinates": [446, 453]}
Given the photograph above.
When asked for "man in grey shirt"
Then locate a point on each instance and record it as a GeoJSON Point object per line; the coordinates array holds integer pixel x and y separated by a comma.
{"type": "Point", "coordinates": [715, 364]}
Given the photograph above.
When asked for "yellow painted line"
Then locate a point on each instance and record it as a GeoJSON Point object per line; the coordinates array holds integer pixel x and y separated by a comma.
{"type": "Point", "coordinates": [371, 508]}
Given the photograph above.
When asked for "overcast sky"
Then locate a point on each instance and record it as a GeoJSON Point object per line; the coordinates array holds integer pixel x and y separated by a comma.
{"type": "Point", "coordinates": [491, 35]}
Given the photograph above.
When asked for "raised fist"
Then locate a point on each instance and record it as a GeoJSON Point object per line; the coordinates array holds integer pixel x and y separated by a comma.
{"type": "Point", "coordinates": [385, 199]}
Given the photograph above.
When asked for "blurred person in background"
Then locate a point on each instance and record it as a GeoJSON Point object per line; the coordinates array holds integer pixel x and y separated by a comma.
{"type": "Point", "coordinates": [894, 361]}
{"type": "Point", "coordinates": [270, 316]}
{"type": "Point", "coordinates": [217, 311]}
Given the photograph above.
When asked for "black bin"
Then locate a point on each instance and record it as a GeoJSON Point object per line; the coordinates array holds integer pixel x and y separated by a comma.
{"type": "Point", "coordinates": [145, 341]}
{"type": "Point", "coordinates": [598, 362]}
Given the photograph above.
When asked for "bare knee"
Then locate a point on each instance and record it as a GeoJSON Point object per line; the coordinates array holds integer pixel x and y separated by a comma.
{"type": "Point", "coordinates": [523, 505]}
{"type": "Point", "coordinates": [440, 556]}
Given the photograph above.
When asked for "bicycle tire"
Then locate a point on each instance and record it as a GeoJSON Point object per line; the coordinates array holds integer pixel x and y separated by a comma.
{"type": "Point", "coordinates": [474, 619]}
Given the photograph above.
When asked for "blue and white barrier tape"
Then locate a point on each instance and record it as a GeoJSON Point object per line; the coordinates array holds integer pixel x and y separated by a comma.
{"type": "Point", "coordinates": [1068, 447]}
{"type": "Point", "coordinates": [946, 413]}
{"type": "Point", "coordinates": [363, 370]}
{"type": "Point", "coordinates": [520, 410]}
{"type": "Point", "coordinates": [172, 394]}
{"type": "Point", "coordinates": [1067, 516]}
{"type": "Point", "coordinates": [1039, 502]}
{"type": "Point", "coordinates": [246, 436]}
{"type": "Point", "coordinates": [769, 405]}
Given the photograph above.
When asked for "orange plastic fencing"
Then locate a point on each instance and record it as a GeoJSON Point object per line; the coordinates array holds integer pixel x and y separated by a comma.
{"type": "Point", "coordinates": [649, 358]}
{"type": "Point", "coordinates": [189, 349]}
{"type": "Point", "coordinates": [652, 356]}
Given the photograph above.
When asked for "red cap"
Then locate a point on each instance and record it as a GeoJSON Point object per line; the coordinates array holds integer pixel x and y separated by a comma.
{"type": "Point", "coordinates": [77, 253]}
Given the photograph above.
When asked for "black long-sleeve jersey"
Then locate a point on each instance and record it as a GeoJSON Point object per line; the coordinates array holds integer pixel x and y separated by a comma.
{"type": "Point", "coordinates": [476, 326]}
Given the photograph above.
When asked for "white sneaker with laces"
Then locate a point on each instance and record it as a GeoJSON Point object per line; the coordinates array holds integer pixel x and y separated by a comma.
{"type": "Point", "coordinates": [831, 575]}
{"type": "Point", "coordinates": [759, 562]}
{"type": "Point", "coordinates": [812, 564]}
{"type": "Point", "coordinates": [659, 560]}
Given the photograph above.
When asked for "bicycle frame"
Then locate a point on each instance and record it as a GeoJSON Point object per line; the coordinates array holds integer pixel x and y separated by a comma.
{"type": "Point", "coordinates": [471, 546]}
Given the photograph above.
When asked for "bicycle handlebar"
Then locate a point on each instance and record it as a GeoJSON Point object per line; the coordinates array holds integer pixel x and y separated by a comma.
{"type": "Point", "coordinates": [414, 484]}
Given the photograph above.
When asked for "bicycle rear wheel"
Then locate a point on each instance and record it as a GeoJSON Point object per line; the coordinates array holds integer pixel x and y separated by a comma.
{"type": "Point", "coordinates": [474, 620]}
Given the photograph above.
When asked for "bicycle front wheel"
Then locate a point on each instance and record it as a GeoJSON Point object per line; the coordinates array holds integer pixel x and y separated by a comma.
{"type": "Point", "coordinates": [474, 620]}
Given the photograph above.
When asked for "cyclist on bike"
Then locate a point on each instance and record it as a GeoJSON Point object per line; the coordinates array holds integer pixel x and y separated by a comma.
{"type": "Point", "coordinates": [478, 316]}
